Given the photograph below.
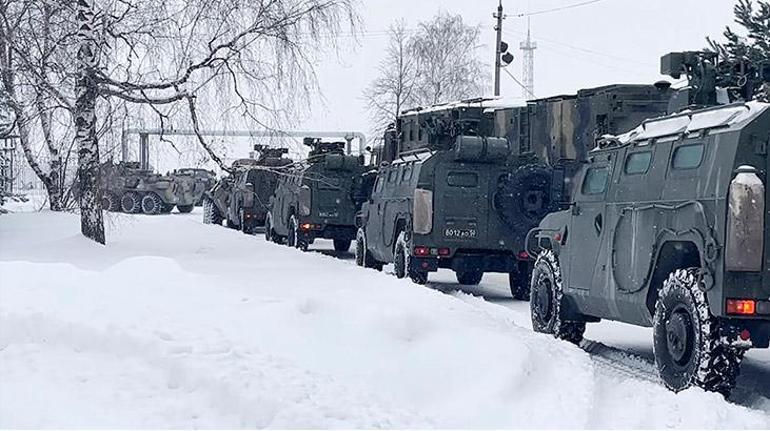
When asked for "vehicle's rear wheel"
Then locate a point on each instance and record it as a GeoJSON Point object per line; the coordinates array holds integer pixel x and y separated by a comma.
{"type": "Point", "coordinates": [547, 299]}
{"type": "Point", "coordinates": [518, 281]}
{"type": "Point", "coordinates": [151, 204]}
{"type": "Point", "coordinates": [110, 202]}
{"type": "Point", "coordinates": [341, 245]}
{"type": "Point", "coordinates": [469, 278]}
{"type": "Point", "coordinates": [185, 209]}
{"type": "Point", "coordinates": [687, 346]}
{"type": "Point", "coordinates": [131, 203]}
{"type": "Point", "coordinates": [167, 208]}
{"type": "Point", "coordinates": [363, 255]}
{"type": "Point", "coordinates": [269, 234]}
{"type": "Point", "coordinates": [295, 238]}
{"type": "Point", "coordinates": [246, 227]}
{"type": "Point", "coordinates": [401, 262]}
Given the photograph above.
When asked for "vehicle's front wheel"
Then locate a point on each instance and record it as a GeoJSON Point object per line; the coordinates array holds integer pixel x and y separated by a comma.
{"type": "Point", "coordinates": [211, 213]}
{"type": "Point", "coordinates": [469, 278]}
{"type": "Point", "coordinates": [110, 202]}
{"type": "Point", "coordinates": [546, 300]}
{"type": "Point", "coordinates": [687, 346]}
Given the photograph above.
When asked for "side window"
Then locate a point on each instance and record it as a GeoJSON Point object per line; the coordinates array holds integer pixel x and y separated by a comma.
{"type": "Point", "coordinates": [407, 175]}
{"type": "Point", "coordinates": [595, 181]}
{"type": "Point", "coordinates": [638, 163]}
{"type": "Point", "coordinates": [688, 157]}
{"type": "Point", "coordinates": [392, 175]}
{"type": "Point", "coordinates": [462, 179]}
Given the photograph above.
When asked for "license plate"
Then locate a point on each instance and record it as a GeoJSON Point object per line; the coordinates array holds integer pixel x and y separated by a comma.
{"type": "Point", "coordinates": [451, 232]}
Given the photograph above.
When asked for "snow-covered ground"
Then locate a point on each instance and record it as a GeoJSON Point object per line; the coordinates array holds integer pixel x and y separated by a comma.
{"type": "Point", "coordinates": [175, 324]}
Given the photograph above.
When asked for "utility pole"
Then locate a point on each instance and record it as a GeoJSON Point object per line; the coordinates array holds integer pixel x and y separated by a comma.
{"type": "Point", "coordinates": [498, 46]}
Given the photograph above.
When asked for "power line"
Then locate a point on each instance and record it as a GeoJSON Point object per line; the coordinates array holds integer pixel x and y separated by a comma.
{"type": "Point", "coordinates": [519, 82]}
{"type": "Point", "coordinates": [557, 9]}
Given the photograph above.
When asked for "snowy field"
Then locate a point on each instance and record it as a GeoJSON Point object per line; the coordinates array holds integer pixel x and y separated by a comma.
{"type": "Point", "coordinates": [175, 324]}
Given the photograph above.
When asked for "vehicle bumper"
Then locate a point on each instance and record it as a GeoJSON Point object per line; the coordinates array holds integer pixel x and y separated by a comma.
{"type": "Point", "coordinates": [758, 329]}
{"type": "Point", "coordinates": [466, 262]}
{"type": "Point", "coordinates": [339, 232]}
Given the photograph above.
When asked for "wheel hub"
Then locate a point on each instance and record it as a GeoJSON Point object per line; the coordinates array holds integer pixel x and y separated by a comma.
{"type": "Point", "coordinates": [679, 336]}
{"type": "Point", "coordinates": [543, 298]}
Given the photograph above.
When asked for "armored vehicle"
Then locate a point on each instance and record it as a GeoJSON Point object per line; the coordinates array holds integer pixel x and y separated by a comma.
{"type": "Point", "coordinates": [316, 198]}
{"type": "Point", "coordinates": [128, 188]}
{"type": "Point", "coordinates": [241, 198]}
{"type": "Point", "coordinates": [449, 194]}
{"type": "Point", "coordinates": [202, 179]}
{"type": "Point", "coordinates": [667, 229]}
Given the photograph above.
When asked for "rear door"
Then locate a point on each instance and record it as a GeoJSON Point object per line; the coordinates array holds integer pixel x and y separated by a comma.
{"type": "Point", "coordinates": [588, 228]}
{"type": "Point", "coordinates": [460, 200]}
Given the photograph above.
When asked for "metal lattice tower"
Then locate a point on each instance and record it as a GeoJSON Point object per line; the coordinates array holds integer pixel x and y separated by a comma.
{"type": "Point", "coordinates": [528, 47]}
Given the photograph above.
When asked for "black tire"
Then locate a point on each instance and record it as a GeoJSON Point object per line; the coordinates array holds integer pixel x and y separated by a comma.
{"type": "Point", "coordinates": [523, 198]}
{"type": "Point", "coordinates": [185, 209]}
{"type": "Point", "coordinates": [110, 202]}
{"type": "Point", "coordinates": [546, 301]}
{"type": "Point", "coordinates": [342, 245]}
{"type": "Point", "coordinates": [131, 203]}
{"type": "Point", "coordinates": [518, 281]}
{"type": "Point", "coordinates": [151, 204]}
{"type": "Point", "coordinates": [401, 262]}
{"type": "Point", "coordinates": [469, 278]}
{"type": "Point", "coordinates": [167, 208]}
{"type": "Point", "coordinates": [211, 213]}
{"type": "Point", "coordinates": [363, 255]}
{"type": "Point", "coordinates": [686, 342]}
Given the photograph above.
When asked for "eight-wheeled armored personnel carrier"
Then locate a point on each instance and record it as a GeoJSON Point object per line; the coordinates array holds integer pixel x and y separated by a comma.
{"type": "Point", "coordinates": [128, 188]}
{"type": "Point", "coordinates": [241, 198]}
{"type": "Point", "coordinates": [316, 198]}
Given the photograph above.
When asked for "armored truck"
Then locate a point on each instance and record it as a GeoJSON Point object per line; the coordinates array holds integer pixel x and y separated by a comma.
{"type": "Point", "coordinates": [202, 180]}
{"type": "Point", "coordinates": [128, 188]}
{"type": "Point", "coordinates": [667, 229]}
{"type": "Point", "coordinates": [449, 194]}
{"type": "Point", "coordinates": [241, 198]}
{"type": "Point", "coordinates": [317, 198]}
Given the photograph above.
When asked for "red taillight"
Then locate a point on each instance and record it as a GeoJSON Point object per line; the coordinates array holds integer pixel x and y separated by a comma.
{"type": "Point", "coordinates": [743, 307]}
{"type": "Point", "coordinates": [306, 226]}
{"type": "Point", "coordinates": [523, 255]}
{"type": "Point", "coordinates": [444, 251]}
{"type": "Point", "coordinates": [421, 251]}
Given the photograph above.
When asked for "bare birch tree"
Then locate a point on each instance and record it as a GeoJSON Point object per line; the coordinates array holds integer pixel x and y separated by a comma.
{"type": "Point", "coordinates": [394, 89]}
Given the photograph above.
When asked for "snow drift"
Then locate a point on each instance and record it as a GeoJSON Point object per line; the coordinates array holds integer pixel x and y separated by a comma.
{"type": "Point", "coordinates": [177, 325]}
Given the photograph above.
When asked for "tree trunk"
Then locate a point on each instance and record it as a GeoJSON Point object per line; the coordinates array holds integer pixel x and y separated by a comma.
{"type": "Point", "coordinates": [86, 88]}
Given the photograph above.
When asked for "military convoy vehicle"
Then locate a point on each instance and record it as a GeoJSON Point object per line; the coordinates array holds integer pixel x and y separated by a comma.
{"type": "Point", "coordinates": [317, 198]}
{"type": "Point", "coordinates": [128, 188]}
{"type": "Point", "coordinates": [668, 229]}
{"type": "Point", "coordinates": [241, 199]}
{"type": "Point", "coordinates": [461, 184]}
{"type": "Point", "coordinates": [203, 180]}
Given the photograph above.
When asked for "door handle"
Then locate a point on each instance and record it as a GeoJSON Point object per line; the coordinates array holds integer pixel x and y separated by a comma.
{"type": "Point", "coordinates": [598, 223]}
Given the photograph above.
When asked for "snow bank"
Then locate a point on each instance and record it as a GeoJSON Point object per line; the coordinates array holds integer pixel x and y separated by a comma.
{"type": "Point", "coordinates": [175, 324]}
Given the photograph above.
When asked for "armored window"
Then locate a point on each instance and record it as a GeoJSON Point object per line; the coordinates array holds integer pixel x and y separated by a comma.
{"type": "Point", "coordinates": [638, 163]}
{"type": "Point", "coordinates": [595, 181]}
{"type": "Point", "coordinates": [462, 179]}
{"type": "Point", "coordinates": [407, 175]}
{"type": "Point", "coordinates": [411, 132]}
{"type": "Point", "coordinates": [392, 175]}
{"type": "Point", "coordinates": [688, 157]}
{"type": "Point", "coordinates": [419, 133]}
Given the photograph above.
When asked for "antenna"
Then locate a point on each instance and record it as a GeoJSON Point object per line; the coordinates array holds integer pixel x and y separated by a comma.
{"type": "Point", "coordinates": [529, 47]}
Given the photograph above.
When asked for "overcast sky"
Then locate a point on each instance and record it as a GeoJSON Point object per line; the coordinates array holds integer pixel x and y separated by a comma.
{"type": "Point", "coordinates": [612, 41]}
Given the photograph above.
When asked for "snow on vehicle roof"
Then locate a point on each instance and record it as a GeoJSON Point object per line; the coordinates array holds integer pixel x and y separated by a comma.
{"type": "Point", "coordinates": [489, 104]}
{"type": "Point", "coordinates": [693, 121]}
